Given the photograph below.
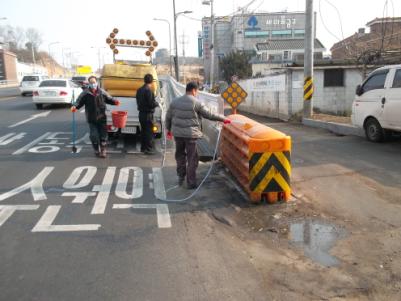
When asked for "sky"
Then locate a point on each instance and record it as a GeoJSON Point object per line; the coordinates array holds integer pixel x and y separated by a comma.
{"type": "Point", "coordinates": [81, 27]}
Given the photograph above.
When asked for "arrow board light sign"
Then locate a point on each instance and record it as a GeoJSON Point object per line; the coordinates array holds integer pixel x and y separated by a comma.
{"type": "Point", "coordinates": [150, 44]}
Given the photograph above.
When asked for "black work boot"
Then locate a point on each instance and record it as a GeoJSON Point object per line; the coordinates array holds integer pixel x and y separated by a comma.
{"type": "Point", "coordinates": [96, 149]}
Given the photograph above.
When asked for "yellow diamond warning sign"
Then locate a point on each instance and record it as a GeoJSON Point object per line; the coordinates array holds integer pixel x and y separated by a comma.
{"type": "Point", "coordinates": [234, 95]}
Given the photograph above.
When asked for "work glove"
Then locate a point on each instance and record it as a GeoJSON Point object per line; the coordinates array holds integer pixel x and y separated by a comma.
{"type": "Point", "coordinates": [169, 135]}
{"type": "Point", "coordinates": [73, 109]}
{"type": "Point", "coordinates": [227, 121]}
{"type": "Point", "coordinates": [117, 102]}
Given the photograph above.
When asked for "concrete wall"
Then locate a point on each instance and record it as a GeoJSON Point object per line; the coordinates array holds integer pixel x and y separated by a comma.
{"type": "Point", "coordinates": [267, 96]}
{"type": "Point", "coordinates": [8, 66]}
{"type": "Point", "coordinates": [331, 100]}
{"type": "Point", "coordinates": [282, 95]}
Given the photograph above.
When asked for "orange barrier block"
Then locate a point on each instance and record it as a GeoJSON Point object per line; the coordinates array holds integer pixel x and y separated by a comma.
{"type": "Point", "coordinates": [259, 157]}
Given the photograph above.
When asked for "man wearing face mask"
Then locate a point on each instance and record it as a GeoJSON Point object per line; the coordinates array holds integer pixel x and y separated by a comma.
{"type": "Point", "coordinates": [94, 99]}
{"type": "Point", "coordinates": [182, 122]}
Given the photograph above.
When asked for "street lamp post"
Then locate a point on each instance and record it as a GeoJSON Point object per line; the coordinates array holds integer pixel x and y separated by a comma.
{"type": "Point", "coordinates": [210, 2]}
{"type": "Point", "coordinates": [52, 64]}
{"type": "Point", "coordinates": [176, 15]}
{"type": "Point", "coordinates": [169, 40]}
{"type": "Point", "coordinates": [98, 55]}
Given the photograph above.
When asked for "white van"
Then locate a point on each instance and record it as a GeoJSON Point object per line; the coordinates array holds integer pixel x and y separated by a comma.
{"type": "Point", "coordinates": [377, 105]}
{"type": "Point", "coordinates": [30, 82]}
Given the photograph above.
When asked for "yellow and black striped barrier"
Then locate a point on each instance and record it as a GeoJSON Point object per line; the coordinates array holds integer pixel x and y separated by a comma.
{"type": "Point", "coordinates": [308, 88]}
{"type": "Point", "coordinates": [259, 157]}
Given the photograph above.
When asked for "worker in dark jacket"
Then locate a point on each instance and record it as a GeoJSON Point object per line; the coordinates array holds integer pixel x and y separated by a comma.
{"type": "Point", "coordinates": [182, 122]}
{"type": "Point", "coordinates": [94, 99]}
{"type": "Point", "coordinates": [146, 103]}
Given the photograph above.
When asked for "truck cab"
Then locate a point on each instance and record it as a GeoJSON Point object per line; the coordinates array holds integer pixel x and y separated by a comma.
{"type": "Point", "coordinates": [122, 81]}
{"type": "Point", "coordinates": [377, 104]}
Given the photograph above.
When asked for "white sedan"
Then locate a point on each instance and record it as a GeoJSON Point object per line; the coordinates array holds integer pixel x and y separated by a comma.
{"type": "Point", "coordinates": [55, 91]}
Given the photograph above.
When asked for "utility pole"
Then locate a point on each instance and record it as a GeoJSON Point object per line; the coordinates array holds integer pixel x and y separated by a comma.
{"type": "Point", "coordinates": [212, 45]}
{"type": "Point", "coordinates": [308, 60]}
{"type": "Point", "coordinates": [176, 71]}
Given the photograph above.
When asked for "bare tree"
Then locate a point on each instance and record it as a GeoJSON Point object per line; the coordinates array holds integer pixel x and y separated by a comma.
{"type": "Point", "coordinates": [33, 37]}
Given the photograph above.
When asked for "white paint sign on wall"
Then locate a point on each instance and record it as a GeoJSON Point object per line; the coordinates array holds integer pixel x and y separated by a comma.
{"type": "Point", "coordinates": [272, 83]}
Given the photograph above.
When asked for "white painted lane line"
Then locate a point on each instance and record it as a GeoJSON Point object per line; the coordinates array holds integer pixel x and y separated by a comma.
{"type": "Point", "coordinates": [72, 181]}
{"type": "Point", "coordinates": [45, 224]}
{"type": "Point", "coordinates": [7, 210]}
{"type": "Point", "coordinates": [7, 139]}
{"type": "Point", "coordinates": [137, 183]}
{"type": "Point", "coordinates": [35, 185]}
{"type": "Point", "coordinates": [104, 191]}
{"type": "Point", "coordinates": [160, 191]}
{"type": "Point", "coordinates": [29, 145]}
{"type": "Point", "coordinates": [7, 98]}
{"type": "Point", "coordinates": [44, 114]}
{"type": "Point", "coordinates": [163, 214]}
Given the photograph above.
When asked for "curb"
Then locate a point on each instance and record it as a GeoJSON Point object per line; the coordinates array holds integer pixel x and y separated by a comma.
{"type": "Point", "coordinates": [334, 127]}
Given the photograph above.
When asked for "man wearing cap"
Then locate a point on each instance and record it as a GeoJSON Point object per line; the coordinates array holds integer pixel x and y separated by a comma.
{"type": "Point", "coordinates": [146, 103]}
{"type": "Point", "coordinates": [183, 122]}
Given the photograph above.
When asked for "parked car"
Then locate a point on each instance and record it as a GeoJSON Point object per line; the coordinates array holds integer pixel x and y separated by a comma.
{"type": "Point", "coordinates": [377, 105]}
{"type": "Point", "coordinates": [30, 83]}
{"type": "Point", "coordinates": [55, 91]}
{"type": "Point", "coordinates": [81, 81]}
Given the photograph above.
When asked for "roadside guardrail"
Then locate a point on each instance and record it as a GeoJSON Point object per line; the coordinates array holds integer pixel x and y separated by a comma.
{"type": "Point", "coordinates": [259, 157]}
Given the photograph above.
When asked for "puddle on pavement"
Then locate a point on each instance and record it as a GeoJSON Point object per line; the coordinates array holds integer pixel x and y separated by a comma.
{"type": "Point", "coordinates": [316, 238]}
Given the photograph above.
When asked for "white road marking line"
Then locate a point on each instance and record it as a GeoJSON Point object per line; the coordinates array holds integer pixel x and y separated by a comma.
{"type": "Point", "coordinates": [151, 185]}
{"type": "Point", "coordinates": [160, 191]}
{"type": "Point", "coordinates": [29, 145]}
{"type": "Point", "coordinates": [150, 176]}
{"type": "Point", "coordinates": [7, 139]}
{"type": "Point", "coordinates": [137, 183]}
{"type": "Point", "coordinates": [79, 197]}
{"type": "Point", "coordinates": [104, 191]}
{"type": "Point", "coordinates": [7, 98]}
{"type": "Point", "coordinates": [47, 219]}
{"type": "Point", "coordinates": [163, 214]}
{"type": "Point", "coordinates": [36, 186]}
{"type": "Point", "coordinates": [44, 114]}
{"type": "Point", "coordinates": [72, 181]}
{"type": "Point", "coordinates": [7, 210]}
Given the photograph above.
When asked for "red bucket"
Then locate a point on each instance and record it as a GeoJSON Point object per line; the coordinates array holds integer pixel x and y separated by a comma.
{"type": "Point", "coordinates": [119, 118]}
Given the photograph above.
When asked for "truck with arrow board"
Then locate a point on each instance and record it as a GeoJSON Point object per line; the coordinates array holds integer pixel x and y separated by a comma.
{"type": "Point", "coordinates": [123, 78]}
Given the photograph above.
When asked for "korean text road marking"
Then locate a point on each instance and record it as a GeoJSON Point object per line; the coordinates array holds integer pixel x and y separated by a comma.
{"type": "Point", "coordinates": [104, 191]}
{"type": "Point", "coordinates": [8, 138]}
{"type": "Point", "coordinates": [163, 215]}
{"type": "Point", "coordinates": [158, 183]}
{"type": "Point", "coordinates": [45, 224]}
{"type": "Point", "coordinates": [7, 210]}
{"type": "Point", "coordinates": [35, 185]}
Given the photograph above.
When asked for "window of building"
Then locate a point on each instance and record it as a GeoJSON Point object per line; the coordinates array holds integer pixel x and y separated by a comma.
{"type": "Point", "coordinates": [299, 33]}
{"type": "Point", "coordinates": [334, 78]}
{"type": "Point", "coordinates": [287, 55]}
{"type": "Point", "coordinates": [281, 33]}
{"type": "Point", "coordinates": [256, 34]}
{"type": "Point", "coordinates": [375, 81]}
{"type": "Point", "coordinates": [397, 79]}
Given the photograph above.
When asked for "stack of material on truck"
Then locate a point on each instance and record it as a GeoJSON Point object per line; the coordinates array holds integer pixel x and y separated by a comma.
{"type": "Point", "coordinates": [125, 80]}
